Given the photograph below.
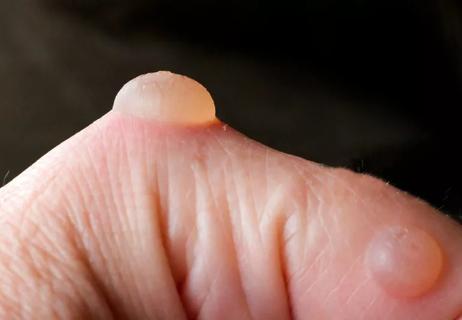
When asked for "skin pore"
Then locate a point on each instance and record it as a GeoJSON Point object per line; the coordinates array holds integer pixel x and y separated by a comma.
{"type": "Point", "coordinates": [160, 211]}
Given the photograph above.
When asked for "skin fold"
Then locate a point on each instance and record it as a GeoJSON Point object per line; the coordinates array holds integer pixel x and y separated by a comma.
{"type": "Point", "coordinates": [136, 218]}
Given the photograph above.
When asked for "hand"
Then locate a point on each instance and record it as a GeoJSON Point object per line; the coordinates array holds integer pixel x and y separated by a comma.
{"type": "Point", "coordinates": [160, 211]}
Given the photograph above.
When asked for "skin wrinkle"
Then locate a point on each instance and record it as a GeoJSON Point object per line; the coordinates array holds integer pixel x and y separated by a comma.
{"type": "Point", "coordinates": [47, 278]}
{"type": "Point", "coordinates": [115, 197]}
{"type": "Point", "coordinates": [159, 224]}
{"type": "Point", "coordinates": [157, 197]}
{"type": "Point", "coordinates": [231, 188]}
{"type": "Point", "coordinates": [226, 213]}
{"type": "Point", "coordinates": [200, 199]}
{"type": "Point", "coordinates": [182, 279]}
{"type": "Point", "coordinates": [290, 277]}
{"type": "Point", "coordinates": [274, 212]}
{"type": "Point", "coordinates": [305, 272]}
{"type": "Point", "coordinates": [137, 243]}
{"type": "Point", "coordinates": [190, 261]}
{"type": "Point", "coordinates": [318, 278]}
{"type": "Point", "coordinates": [86, 229]}
{"type": "Point", "coordinates": [257, 217]}
{"type": "Point", "coordinates": [10, 266]}
{"type": "Point", "coordinates": [210, 283]}
{"type": "Point", "coordinates": [102, 296]}
{"type": "Point", "coordinates": [30, 241]}
{"type": "Point", "coordinates": [357, 289]}
{"type": "Point", "coordinates": [163, 198]}
{"type": "Point", "coordinates": [320, 216]}
{"type": "Point", "coordinates": [329, 248]}
{"type": "Point", "coordinates": [300, 214]}
{"type": "Point", "coordinates": [364, 312]}
{"type": "Point", "coordinates": [185, 261]}
{"type": "Point", "coordinates": [125, 208]}
{"type": "Point", "coordinates": [382, 190]}
{"type": "Point", "coordinates": [20, 225]}
{"type": "Point", "coordinates": [108, 202]}
{"type": "Point", "coordinates": [36, 255]}
{"type": "Point", "coordinates": [13, 308]}
{"type": "Point", "coordinates": [142, 203]}
{"type": "Point", "coordinates": [47, 253]}
{"type": "Point", "coordinates": [326, 250]}
{"type": "Point", "coordinates": [199, 232]}
{"type": "Point", "coordinates": [282, 257]}
{"type": "Point", "coordinates": [9, 305]}
{"type": "Point", "coordinates": [346, 186]}
{"type": "Point", "coordinates": [87, 161]}
{"type": "Point", "coordinates": [164, 257]}
{"type": "Point", "coordinates": [208, 293]}
{"type": "Point", "coordinates": [255, 186]}
{"type": "Point", "coordinates": [363, 206]}
{"type": "Point", "coordinates": [189, 246]}
{"type": "Point", "coordinates": [346, 274]}
{"type": "Point", "coordinates": [46, 183]}
{"type": "Point", "coordinates": [371, 218]}
{"type": "Point", "coordinates": [340, 282]}
{"type": "Point", "coordinates": [266, 174]}
{"type": "Point", "coordinates": [167, 183]}
{"type": "Point", "coordinates": [235, 237]}
{"type": "Point", "coordinates": [311, 205]}
{"type": "Point", "coordinates": [165, 219]}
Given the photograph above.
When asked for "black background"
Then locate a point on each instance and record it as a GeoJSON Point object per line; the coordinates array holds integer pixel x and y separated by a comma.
{"type": "Point", "coordinates": [370, 85]}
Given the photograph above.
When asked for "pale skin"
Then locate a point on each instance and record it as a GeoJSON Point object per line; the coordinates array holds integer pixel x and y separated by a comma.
{"type": "Point", "coordinates": [160, 211]}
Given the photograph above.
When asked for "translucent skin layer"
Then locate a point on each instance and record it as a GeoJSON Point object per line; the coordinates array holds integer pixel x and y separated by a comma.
{"type": "Point", "coordinates": [166, 97]}
{"type": "Point", "coordinates": [405, 261]}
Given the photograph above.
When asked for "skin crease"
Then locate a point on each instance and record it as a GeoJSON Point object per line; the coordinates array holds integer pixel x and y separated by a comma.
{"type": "Point", "coordinates": [138, 218]}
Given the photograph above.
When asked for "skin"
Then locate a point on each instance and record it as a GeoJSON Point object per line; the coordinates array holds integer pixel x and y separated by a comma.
{"type": "Point", "coordinates": [142, 216]}
{"type": "Point", "coordinates": [406, 261]}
